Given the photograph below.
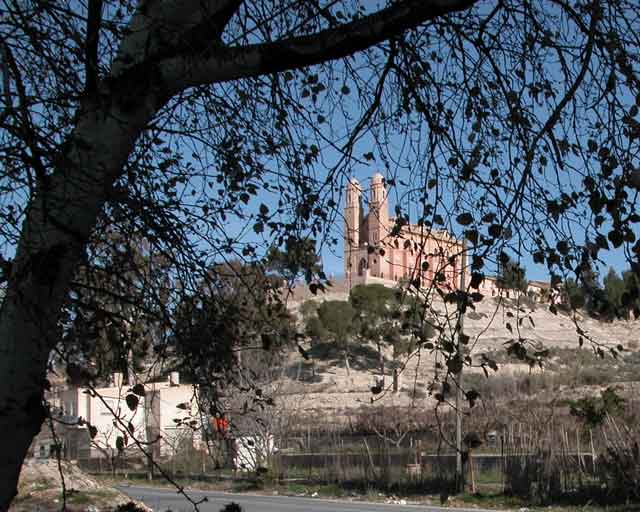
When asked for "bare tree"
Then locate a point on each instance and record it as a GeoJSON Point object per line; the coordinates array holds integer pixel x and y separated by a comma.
{"type": "Point", "coordinates": [512, 122]}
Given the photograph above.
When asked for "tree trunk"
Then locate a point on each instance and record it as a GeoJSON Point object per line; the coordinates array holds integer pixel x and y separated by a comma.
{"type": "Point", "coordinates": [61, 216]}
{"type": "Point", "coordinates": [381, 361]}
{"type": "Point", "coordinates": [346, 363]}
{"type": "Point", "coordinates": [28, 332]}
{"type": "Point", "coordinates": [396, 380]}
{"type": "Point", "coordinates": [473, 478]}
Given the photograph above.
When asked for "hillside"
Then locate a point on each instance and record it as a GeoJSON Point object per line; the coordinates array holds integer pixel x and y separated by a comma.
{"type": "Point", "coordinates": [322, 385]}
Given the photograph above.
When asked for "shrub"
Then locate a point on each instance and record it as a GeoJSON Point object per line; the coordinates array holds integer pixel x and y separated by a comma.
{"type": "Point", "coordinates": [621, 461]}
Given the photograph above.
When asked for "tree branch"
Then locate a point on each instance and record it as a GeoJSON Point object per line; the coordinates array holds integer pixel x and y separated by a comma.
{"type": "Point", "coordinates": [6, 82]}
{"type": "Point", "coordinates": [221, 64]}
{"type": "Point", "coordinates": [557, 112]}
{"type": "Point", "coordinates": [160, 30]}
{"type": "Point", "coordinates": [94, 18]}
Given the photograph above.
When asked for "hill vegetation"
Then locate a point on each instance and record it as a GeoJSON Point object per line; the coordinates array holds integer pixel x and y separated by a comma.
{"type": "Point", "coordinates": [616, 297]}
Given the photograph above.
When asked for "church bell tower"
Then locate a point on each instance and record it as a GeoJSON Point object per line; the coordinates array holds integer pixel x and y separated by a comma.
{"type": "Point", "coordinates": [352, 216]}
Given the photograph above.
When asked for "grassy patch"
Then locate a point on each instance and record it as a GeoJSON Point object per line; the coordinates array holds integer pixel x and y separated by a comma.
{"type": "Point", "coordinates": [496, 500]}
{"type": "Point", "coordinates": [328, 490]}
{"type": "Point", "coordinates": [89, 497]}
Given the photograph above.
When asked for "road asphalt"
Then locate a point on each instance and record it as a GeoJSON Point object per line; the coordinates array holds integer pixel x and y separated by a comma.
{"type": "Point", "coordinates": [164, 500]}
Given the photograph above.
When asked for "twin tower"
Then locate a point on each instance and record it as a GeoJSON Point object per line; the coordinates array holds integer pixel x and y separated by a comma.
{"type": "Point", "coordinates": [372, 254]}
{"type": "Point", "coordinates": [362, 231]}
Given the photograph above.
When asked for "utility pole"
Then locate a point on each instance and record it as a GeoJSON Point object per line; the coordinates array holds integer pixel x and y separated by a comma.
{"type": "Point", "coordinates": [459, 399]}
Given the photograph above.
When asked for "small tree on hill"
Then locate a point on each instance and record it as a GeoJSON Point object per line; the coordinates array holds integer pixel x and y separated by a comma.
{"type": "Point", "coordinates": [631, 295]}
{"type": "Point", "coordinates": [512, 276]}
{"type": "Point", "coordinates": [338, 317]}
{"type": "Point", "coordinates": [374, 299]}
{"type": "Point", "coordinates": [574, 294]}
{"type": "Point", "coordinates": [594, 295]}
{"type": "Point", "coordinates": [315, 330]}
{"type": "Point", "coordinates": [308, 309]}
{"type": "Point", "coordinates": [376, 306]}
{"type": "Point", "coordinates": [614, 290]}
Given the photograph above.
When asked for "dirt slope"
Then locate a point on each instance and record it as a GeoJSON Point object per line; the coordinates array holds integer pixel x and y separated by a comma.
{"type": "Point", "coordinates": [40, 489]}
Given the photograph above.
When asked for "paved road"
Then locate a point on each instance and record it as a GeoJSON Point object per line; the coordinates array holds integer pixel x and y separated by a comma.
{"type": "Point", "coordinates": [161, 500]}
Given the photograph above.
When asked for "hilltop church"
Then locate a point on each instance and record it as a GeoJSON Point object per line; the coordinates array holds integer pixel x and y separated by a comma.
{"type": "Point", "coordinates": [375, 253]}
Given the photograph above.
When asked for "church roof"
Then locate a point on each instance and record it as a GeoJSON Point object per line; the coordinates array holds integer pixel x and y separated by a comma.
{"type": "Point", "coordinates": [430, 232]}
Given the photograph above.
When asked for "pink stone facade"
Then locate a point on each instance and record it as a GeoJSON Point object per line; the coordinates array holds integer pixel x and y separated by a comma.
{"type": "Point", "coordinates": [374, 253]}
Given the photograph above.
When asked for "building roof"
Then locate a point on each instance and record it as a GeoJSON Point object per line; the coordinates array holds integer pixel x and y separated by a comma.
{"type": "Point", "coordinates": [541, 284]}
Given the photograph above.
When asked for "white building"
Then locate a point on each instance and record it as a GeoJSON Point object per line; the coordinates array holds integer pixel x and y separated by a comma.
{"type": "Point", "coordinates": [106, 410]}
{"type": "Point", "coordinates": [539, 291]}
{"type": "Point", "coordinates": [172, 415]}
{"type": "Point", "coordinates": [165, 420]}
{"type": "Point", "coordinates": [489, 287]}
{"type": "Point", "coordinates": [119, 415]}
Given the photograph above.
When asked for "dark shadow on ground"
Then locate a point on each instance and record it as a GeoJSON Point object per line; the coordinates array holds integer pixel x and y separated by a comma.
{"type": "Point", "coordinates": [362, 357]}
